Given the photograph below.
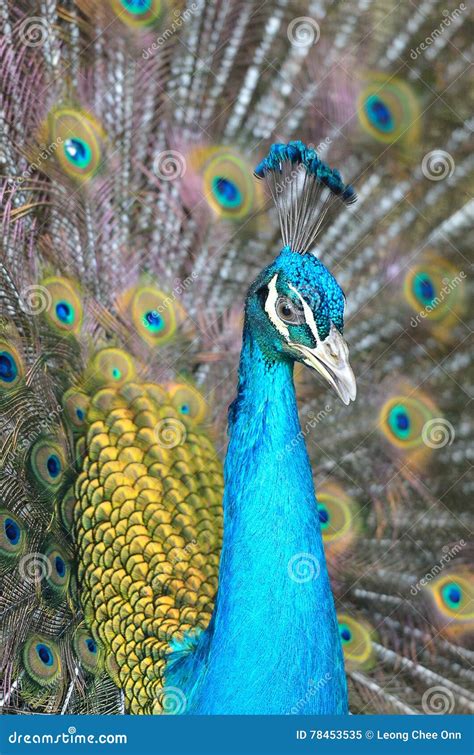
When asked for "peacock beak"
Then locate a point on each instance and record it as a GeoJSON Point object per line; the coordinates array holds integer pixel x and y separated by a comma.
{"type": "Point", "coordinates": [331, 359]}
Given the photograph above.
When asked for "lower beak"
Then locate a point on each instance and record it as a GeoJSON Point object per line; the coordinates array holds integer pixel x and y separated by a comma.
{"type": "Point", "coordinates": [331, 359]}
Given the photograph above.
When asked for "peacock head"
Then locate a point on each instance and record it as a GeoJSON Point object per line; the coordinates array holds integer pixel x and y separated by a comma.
{"type": "Point", "coordinates": [295, 307]}
{"type": "Point", "coordinates": [295, 310]}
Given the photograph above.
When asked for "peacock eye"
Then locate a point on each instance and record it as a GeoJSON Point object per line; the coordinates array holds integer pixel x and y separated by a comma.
{"type": "Point", "coordinates": [289, 312]}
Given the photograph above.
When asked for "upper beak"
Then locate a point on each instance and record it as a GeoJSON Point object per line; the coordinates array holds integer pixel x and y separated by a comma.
{"type": "Point", "coordinates": [331, 359]}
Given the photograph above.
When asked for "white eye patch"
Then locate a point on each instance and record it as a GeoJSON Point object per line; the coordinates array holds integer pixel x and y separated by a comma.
{"type": "Point", "coordinates": [270, 309]}
{"type": "Point", "coordinates": [308, 314]}
{"type": "Point", "coordinates": [279, 324]}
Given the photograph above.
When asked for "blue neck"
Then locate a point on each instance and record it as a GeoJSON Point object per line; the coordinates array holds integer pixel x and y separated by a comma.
{"type": "Point", "coordinates": [273, 640]}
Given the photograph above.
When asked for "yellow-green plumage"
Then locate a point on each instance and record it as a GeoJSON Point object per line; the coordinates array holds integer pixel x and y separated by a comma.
{"type": "Point", "coordinates": [148, 525]}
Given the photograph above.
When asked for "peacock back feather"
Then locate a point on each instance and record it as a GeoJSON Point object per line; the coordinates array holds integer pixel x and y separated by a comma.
{"type": "Point", "coordinates": [148, 529]}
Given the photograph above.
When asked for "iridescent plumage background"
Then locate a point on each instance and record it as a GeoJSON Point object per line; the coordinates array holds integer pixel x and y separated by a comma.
{"type": "Point", "coordinates": [132, 226]}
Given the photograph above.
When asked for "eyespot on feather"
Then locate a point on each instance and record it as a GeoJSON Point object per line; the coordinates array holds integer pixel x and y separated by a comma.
{"type": "Point", "coordinates": [338, 517]}
{"type": "Point", "coordinates": [12, 369]}
{"type": "Point", "coordinates": [188, 402]}
{"type": "Point", "coordinates": [450, 598]}
{"type": "Point", "coordinates": [79, 142]}
{"type": "Point", "coordinates": [66, 509]}
{"type": "Point", "coordinates": [110, 367]}
{"type": "Point", "coordinates": [64, 311]}
{"type": "Point", "coordinates": [42, 660]}
{"type": "Point", "coordinates": [58, 570]}
{"type": "Point", "coordinates": [154, 314]}
{"type": "Point", "coordinates": [435, 290]}
{"type": "Point", "coordinates": [76, 405]}
{"type": "Point", "coordinates": [12, 535]}
{"type": "Point", "coordinates": [356, 637]}
{"type": "Point", "coordinates": [389, 109]}
{"type": "Point", "coordinates": [88, 650]}
{"type": "Point", "coordinates": [138, 13]}
{"type": "Point", "coordinates": [412, 424]}
{"type": "Point", "coordinates": [48, 463]}
{"type": "Point", "coordinates": [228, 183]}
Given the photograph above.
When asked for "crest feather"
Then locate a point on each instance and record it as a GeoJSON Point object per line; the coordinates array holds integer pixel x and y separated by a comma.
{"type": "Point", "coordinates": [303, 188]}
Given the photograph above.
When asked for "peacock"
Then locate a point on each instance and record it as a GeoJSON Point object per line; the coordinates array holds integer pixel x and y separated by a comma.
{"type": "Point", "coordinates": [183, 272]}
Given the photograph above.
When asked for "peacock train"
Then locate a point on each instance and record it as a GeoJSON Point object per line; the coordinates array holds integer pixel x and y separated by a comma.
{"type": "Point", "coordinates": [197, 514]}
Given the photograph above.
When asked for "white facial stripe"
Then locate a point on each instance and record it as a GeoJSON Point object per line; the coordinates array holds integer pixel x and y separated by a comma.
{"type": "Point", "coordinates": [308, 314]}
{"type": "Point", "coordinates": [270, 308]}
